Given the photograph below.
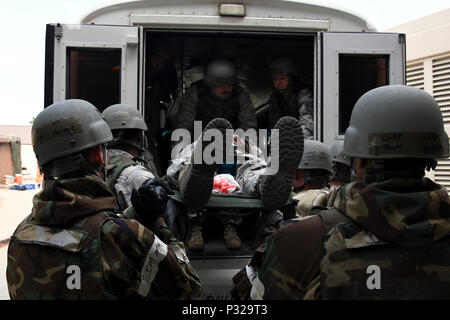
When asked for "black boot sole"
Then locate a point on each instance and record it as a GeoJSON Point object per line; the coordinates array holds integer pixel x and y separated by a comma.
{"type": "Point", "coordinates": [275, 189]}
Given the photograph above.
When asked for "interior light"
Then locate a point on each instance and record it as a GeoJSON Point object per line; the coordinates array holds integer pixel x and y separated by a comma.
{"type": "Point", "coordinates": [235, 10]}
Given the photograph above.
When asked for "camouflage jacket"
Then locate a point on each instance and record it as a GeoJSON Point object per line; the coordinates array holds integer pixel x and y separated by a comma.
{"type": "Point", "coordinates": [73, 246]}
{"type": "Point", "coordinates": [123, 175]}
{"type": "Point", "coordinates": [297, 104]}
{"type": "Point", "coordinates": [387, 240]}
{"type": "Point", "coordinates": [198, 104]}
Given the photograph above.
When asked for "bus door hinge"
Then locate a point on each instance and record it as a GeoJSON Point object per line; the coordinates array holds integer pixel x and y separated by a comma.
{"type": "Point", "coordinates": [58, 32]}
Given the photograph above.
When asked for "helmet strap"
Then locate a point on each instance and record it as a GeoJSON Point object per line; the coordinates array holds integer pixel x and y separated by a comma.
{"type": "Point", "coordinates": [341, 173]}
{"type": "Point", "coordinates": [316, 180]}
{"type": "Point", "coordinates": [120, 139]}
{"type": "Point", "coordinates": [376, 172]}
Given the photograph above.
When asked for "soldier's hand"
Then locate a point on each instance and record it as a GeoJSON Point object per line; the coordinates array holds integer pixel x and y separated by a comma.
{"type": "Point", "coordinates": [150, 200]}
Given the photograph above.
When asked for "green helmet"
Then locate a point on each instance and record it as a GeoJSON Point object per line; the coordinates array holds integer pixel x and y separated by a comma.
{"type": "Point", "coordinates": [127, 126]}
{"type": "Point", "coordinates": [283, 66]}
{"type": "Point", "coordinates": [122, 116]}
{"type": "Point", "coordinates": [66, 128]}
{"type": "Point", "coordinates": [338, 154]}
{"type": "Point", "coordinates": [316, 155]}
{"type": "Point", "coordinates": [220, 72]}
{"type": "Point", "coordinates": [396, 121]}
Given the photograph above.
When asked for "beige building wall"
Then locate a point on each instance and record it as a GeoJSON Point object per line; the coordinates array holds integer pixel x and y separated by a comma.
{"type": "Point", "coordinates": [428, 68]}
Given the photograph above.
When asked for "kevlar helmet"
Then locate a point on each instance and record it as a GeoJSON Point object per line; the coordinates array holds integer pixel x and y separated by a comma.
{"type": "Point", "coordinates": [220, 72]}
{"type": "Point", "coordinates": [338, 154]}
{"type": "Point", "coordinates": [283, 66]}
{"type": "Point", "coordinates": [121, 116]}
{"type": "Point", "coordinates": [67, 127]}
{"type": "Point", "coordinates": [396, 121]}
{"type": "Point", "coordinates": [316, 155]}
{"type": "Point", "coordinates": [127, 126]}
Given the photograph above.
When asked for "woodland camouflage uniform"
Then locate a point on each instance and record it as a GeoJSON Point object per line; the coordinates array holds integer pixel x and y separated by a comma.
{"type": "Point", "coordinates": [74, 244]}
{"type": "Point", "coordinates": [124, 175]}
{"type": "Point", "coordinates": [394, 226]}
{"type": "Point", "coordinates": [198, 104]}
{"type": "Point", "coordinates": [296, 101]}
{"type": "Point", "coordinates": [408, 214]}
{"type": "Point", "coordinates": [297, 104]}
{"type": "Point", "coordinates": [73, 222]}
{"type": "Point", "coordinates": [126, 172]}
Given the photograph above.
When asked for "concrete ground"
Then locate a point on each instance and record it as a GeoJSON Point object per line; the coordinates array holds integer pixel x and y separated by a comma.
{"type": "Point", "coordinates": [14, 207]}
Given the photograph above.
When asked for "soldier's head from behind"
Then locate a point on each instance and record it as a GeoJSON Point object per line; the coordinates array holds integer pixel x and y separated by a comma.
{"type": "Point", "coordinates": [341, 164]}
{"type": "Point", "coordinates": [395, 131]}
{"type": "Point", "coordinates": [69, 139]}
{"type": "Point", "coordinates": [220, 75]}
{"type": "Point", "coordinates": [315, 168]}
{"type": "Point", "coordinates": [128, 128]}
{"type": "Point", "coordinates": [284, 74]}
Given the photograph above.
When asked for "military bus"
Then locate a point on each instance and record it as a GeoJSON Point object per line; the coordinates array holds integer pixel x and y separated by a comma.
{"type": "Point", "coordinates": [106, 59]}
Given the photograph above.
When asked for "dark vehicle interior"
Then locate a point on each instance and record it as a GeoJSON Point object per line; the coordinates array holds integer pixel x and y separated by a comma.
{"type": "Point", "coordinates": [189, 53]}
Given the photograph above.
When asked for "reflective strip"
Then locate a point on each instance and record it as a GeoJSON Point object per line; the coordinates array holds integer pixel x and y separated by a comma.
{"type": "Point", "coordinates": [405, 143]}
{"type": "Point", "coordinates": [58, 128]}
{"type": "Point", "coordinates": [257, 291]}
{"type": "Point", "coordinates": [151, 265]}
{"type": "Point", "coordinates": [67, 239]}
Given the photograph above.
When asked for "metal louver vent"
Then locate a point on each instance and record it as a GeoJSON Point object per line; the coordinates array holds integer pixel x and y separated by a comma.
{"type": "Point", "coordinates": [441, 85]}
{"type": "Point", "coordinates": [415, 75]}
{"type": "Point", "coordinates": [441, 92]}
{"type": "Point", "coordinates": [442, 173]}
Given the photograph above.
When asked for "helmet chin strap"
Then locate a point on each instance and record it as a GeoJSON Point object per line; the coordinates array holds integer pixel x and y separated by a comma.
{"type": "Point", "coordinates": [376, 172]}
{"type": "Point", "coordinates": [353, 175]}
{"type": "Point", "coordinates": [120, 140]}
{"type": "Point", "coordinates": [313, 180]}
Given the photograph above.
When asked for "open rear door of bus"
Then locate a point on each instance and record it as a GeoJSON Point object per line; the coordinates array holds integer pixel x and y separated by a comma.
{"type": "Point", "coordinates": [96, 63]}
{"type": "Point", "coordinates": [352, 64]}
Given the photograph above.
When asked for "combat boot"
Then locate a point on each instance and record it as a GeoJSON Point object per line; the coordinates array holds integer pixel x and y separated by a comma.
{"type": "Point", "coordinates": [232, 240]}
{"type": "Point", "coordinates": [196, 180]}
{"type": "Point", "coordinates": [275, 187]}
{"type": "Point", "coordinates": [196, 243]}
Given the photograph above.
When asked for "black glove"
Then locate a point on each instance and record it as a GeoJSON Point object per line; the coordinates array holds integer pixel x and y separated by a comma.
{"type": "Point", "coordinates": [150, 200]}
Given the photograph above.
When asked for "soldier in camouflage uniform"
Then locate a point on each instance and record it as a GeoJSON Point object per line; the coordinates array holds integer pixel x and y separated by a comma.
{"type": "Point", "coordinates": [311, 180]}
{"type": "Point", "coordinates": [341, 165]}
{"type": "Point", "coordinates": [126, 170]}
{"type": "Point", "coordinates": [74, 245]}
{"type": "Point", "coordinates": [288, 99]}
{"type": "Point", "coordinates": [218, 95]}
{"type": "Point", "coordinates": [324, 193]}
{"type": "Point", "coordinates": [387, 235]}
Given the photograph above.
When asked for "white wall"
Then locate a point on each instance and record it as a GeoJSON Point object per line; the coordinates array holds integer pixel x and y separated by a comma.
{"type": "Point", "coordinates": [29, 159]}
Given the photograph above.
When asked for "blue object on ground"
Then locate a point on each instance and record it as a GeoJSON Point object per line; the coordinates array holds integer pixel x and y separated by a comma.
{"type": "Point", "coordinates": [22, 187]}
